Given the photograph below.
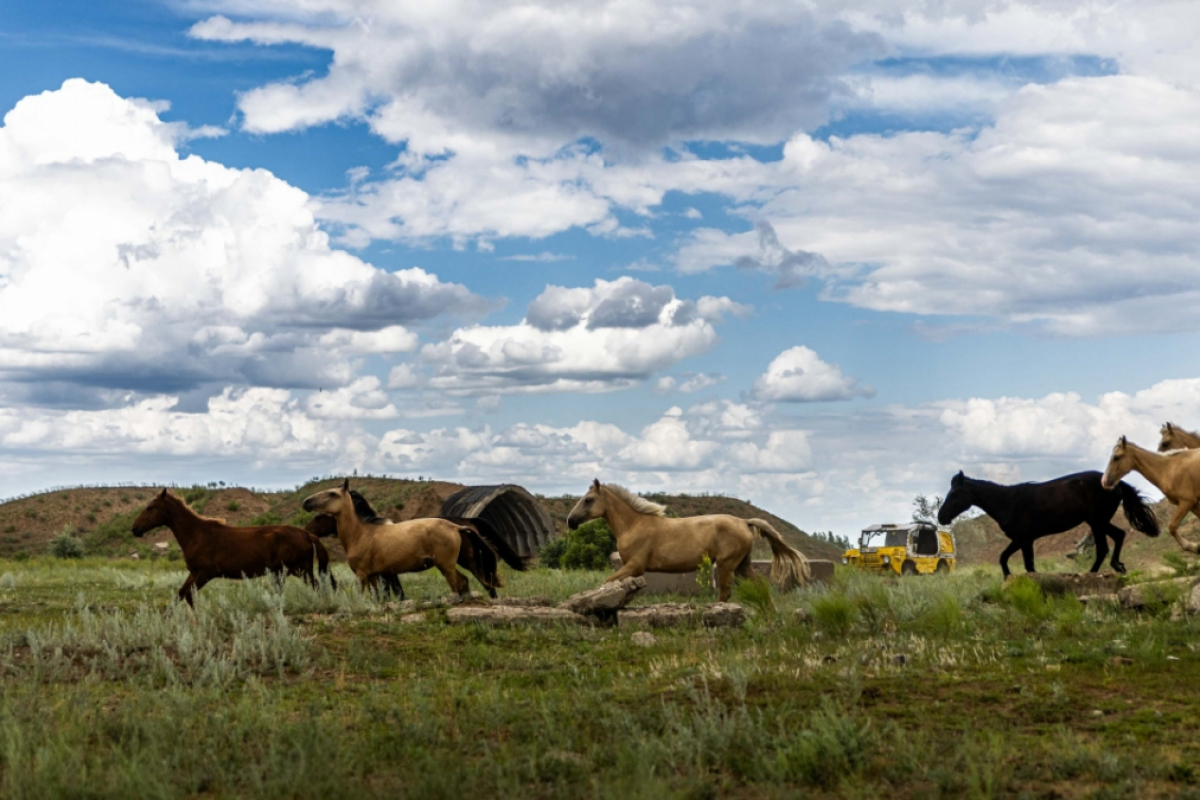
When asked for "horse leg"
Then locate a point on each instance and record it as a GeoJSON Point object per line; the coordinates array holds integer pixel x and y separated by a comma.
{"type": "Point", "coordinates": [1100, 534]}
{"type": "Point", "coordinates": [455, 579]}
{"type": "Point", "coordinates": [1027, 554]}
{"type": "Point", "coordinates": [188, 589]}
{"type": "Point", "coordinates": [1181, 511]}
{"type": "Point", "coordinates": [725, 572]}
{"type": "Point", "coordinates": [631, 570]}
{"type": "Point", "coordinates": [392, 582]}
{"type": "Point", "coordinates": [1013, 547]}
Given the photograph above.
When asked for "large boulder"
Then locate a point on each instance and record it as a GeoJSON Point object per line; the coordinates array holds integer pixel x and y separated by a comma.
{"type": "Point", "coordinates": [1077, 583]}
{"type": "Point", "coordinates": [724, 615]}
{"type": "Point", "coordinates": [514, 615]}
{"type": "Point", "coordinates": [605, 600]}
{"type": "Point", "coordinates": [1142, 594]}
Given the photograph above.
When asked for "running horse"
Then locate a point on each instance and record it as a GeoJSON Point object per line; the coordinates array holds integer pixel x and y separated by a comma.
{"type": "Point", "coordinates": [1176, 474]}
{"type": "Point", "coordinates": [481, 551]}
{"type": "Point", "coordinates": [379, 550]}
{"type": "Point", "coordinates": [1029, 511]}
{"type": "Point", "coordinates": [212, 549]}
{"type": "Point", "coordinates": [648, 540]}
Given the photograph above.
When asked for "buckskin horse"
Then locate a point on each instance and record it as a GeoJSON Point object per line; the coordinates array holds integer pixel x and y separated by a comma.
{"type": "Point", "coordinates": [212, 549]}
{"type": "Point", "coordinates": [1029, 511]}
{"type": "Point", "coordinates": [379, 550]}
{"type": "Point", "coordinates": [648, 540]}
{"type": "Point", "coordinates": [480, 553]}
{"type": "Point", "coordinates": [1176, 474]}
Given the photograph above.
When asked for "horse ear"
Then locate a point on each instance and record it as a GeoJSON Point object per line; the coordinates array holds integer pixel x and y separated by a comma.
{"type": "Point", "coordinates": [1168, 427]}
{"type": "Point", "coordinates": [346, 485]}
{"type": "Point", "coordinates": [163, 493]}
{"type": "Point", "coordinates": [595, 483]}
{"type": "Point", "coordinates": [1123, 441]}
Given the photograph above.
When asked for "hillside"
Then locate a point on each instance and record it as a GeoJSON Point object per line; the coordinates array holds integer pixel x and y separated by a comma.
{"type": "Point", "coordinates": [102, 516]}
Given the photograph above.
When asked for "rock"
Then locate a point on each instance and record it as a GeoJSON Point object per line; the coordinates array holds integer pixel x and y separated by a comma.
{"type": "Point", "coordinates": [1140, 594]}
{"type": "Point", "coordinates": [134, 555]}
{"type": "Point", "coordinates": [1192, 604]}
{"type": "Point", "coordinates": [161, 547]}
{"type": "Point", "coordinates": [801, 615]}
{"type": "Point", "coordinates": [900, 659]}
{"type": "Point", "coordinates": [663, 615]}
{"type": "Point", "coordinates": [509, 615]}
{"type": "Point", "coordinates": [402, 607]}
{"type": "Point", "coordinates": [1099, 599]}
{"type": "Point", "coordinates": [643, 639]}
{"type": "Point", "coordinates": [523, 602]}
{"type": "Point", "coordinates": [605, 600]}
{"type": "Point", "coordinates": [724, 615]}
{"type": "Point", "coordinates": [1076, 583]}
{"type": "Point", "coordinates": [410, 619]}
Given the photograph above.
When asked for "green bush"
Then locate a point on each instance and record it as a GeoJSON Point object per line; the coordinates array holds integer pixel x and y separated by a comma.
{"type": "Point", "coordinates": [265, 518]}
{"type": "Point", "coordinates": [114, 531]}
{"type": "Point", "coordinates": [66, 546]}
{"type": "Point", "coordinates": [835, 613]}
{"type": "Point", "coordinates": [232, 505]}
{"type": "Point", "coordinates": [587, 547]}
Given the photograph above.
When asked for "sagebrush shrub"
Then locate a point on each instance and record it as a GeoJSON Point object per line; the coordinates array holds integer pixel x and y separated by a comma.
{"type": "Point", "coordinates": [587, 547]}
{"type": "Point", "coordinates": [65, 545]}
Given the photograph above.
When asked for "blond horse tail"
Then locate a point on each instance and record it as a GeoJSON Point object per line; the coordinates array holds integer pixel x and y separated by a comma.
{"type": "Point", "coordinates": [788, 565]}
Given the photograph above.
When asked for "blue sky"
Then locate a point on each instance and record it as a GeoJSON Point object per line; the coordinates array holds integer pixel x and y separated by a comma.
{"type": "Point", "coordinates": [820, 257]}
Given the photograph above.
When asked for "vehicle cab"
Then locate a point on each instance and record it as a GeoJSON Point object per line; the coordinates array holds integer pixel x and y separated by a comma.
{"type": "Point", "coordinates": [905, 549]}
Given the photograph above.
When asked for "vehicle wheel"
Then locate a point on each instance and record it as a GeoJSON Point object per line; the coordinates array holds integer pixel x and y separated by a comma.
{"type": "Point", "coordinates": [943, 566]}
{"type": "Point", "coordinates": [908, 568]}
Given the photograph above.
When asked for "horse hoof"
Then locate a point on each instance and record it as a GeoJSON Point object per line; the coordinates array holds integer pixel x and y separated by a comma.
{"type": "Point", "coordinates": [1119, 568]}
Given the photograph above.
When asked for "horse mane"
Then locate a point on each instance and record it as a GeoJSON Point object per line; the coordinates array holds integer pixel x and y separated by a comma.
{"type": "Point", "coordinates": [637, 502]}
{"type": "Point", "coordinates": [184, 504]}
{"type": "Point", "coordinates": [364, 511]}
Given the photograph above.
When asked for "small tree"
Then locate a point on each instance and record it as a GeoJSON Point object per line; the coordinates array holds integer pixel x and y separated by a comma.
{"type": "Point", "coordinates": [925, 509]}
{"type": "Point", "coordinates": [586, 547]}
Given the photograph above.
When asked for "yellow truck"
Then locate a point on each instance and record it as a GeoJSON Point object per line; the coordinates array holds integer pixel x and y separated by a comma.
{"type": "Point", "coordinates": [912, 548]}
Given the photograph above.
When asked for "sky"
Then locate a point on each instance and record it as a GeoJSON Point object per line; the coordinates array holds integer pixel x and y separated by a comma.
{"type": "Point", "coordinates": [816, 255]}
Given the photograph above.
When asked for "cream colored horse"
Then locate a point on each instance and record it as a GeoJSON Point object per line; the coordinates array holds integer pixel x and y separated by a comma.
{"type": "Point", "coordinates": [384, 549]}
{"type": "Point", "coordinates": [650, 541]}
{"type": "Point", "coordinates": [1172, 437]}
{"type": "Point", "coordinates": [1176, 474]}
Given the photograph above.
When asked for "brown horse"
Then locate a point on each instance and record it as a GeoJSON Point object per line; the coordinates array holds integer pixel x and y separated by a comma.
{"type": "Point", "coordinates": [379, 549]}
{"type": "Point", "coordinates": [481, 551]}
{"type": "Point", "coordinates": [649, 541]}
{"type": "Point", "coordinates": [1176, 474]}
{"type": "Point", "coordinates": [212, 549]}
{"type": "Point", "coordinates": [1173, 437]}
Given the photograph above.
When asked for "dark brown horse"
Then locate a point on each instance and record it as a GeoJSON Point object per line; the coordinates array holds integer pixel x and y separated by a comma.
{"type": "Point", "coordinates": [212, 549]}
{"type": "Point", "coordinates": [480, 552]}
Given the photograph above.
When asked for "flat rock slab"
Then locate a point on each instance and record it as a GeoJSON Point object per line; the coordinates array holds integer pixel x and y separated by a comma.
{"type": "Point", "coordinates": [523, 602]}
{"type": "Point", "coordinates": [662, 615]}
{"type": "Point", "coordinates": [1142, 594]}
{"type": "Point", "coordinates": [1099, 599]}
{"type": "Point", "coordinates": [606, 599]}
{"type": "Point", "coordinates": [724, 615]}
{"type": "Point", "coordinates": [1077, 583]}
{"type": "Point", "coordinates": [514, 615]}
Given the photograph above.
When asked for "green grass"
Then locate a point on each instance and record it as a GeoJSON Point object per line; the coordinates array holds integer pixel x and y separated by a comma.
{"type": "Point", "coordinates": [946, 686]}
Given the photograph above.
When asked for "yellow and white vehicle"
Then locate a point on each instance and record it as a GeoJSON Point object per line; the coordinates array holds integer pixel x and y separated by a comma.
{"type": "Point", "coordinates": [912, 548]}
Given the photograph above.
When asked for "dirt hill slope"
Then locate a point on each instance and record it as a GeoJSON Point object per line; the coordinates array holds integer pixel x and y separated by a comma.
{"type": "Point", "coordinates": [101, 516]}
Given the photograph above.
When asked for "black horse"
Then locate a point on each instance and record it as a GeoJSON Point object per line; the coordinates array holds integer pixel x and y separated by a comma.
{"type": "Point", "coordinates": [1030, 511]}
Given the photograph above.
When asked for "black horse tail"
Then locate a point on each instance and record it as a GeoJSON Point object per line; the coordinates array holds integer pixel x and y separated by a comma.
{"type": "Point", "coordinates": [477, 555]}
{"type": "Point", "coordinates": [322, 559]}
{"type": "Point", "coordinates": [493, 540]}
{"type": "Point", "coordinates": [1136, 511]}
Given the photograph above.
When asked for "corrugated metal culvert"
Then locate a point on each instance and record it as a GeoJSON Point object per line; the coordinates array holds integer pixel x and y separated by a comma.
{"type": "Point", "coordinates": [523, 522]}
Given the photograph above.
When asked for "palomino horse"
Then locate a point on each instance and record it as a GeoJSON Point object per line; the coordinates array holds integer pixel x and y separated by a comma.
{"type": "Point", "coordinates": [1029, 511]}
{"type": "Point", "coordinates": [212, 549]}
{"type": "Point", "coordinates": [481, 551]}
{"type": "Point", "coordinates": [1176, 474]}
{"type": "Point", "coordinates": [1173, 437]}
{"type": "Point", "coordinates": [379, 549]}
{"type": "Point", "coordinates": [650, 541]}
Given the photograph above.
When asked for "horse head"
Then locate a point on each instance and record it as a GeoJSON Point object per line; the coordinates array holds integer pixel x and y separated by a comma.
{"type": "Point", "coordinates": [1168, 439]}
{"type": "Point", "coordinates": [155, 515]}
{"type": "Point", "coordinates": [1120, 464]}
{"type": "Point", "coordinates": [330, 501]}
{"type": "Point", "coordinates": [590, 506]}
{"type": "Point", "coordinates": [957, 500]}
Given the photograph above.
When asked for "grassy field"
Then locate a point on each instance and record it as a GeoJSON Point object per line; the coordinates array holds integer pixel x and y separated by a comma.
{"type": "Point", "coordinates": [933, 687]}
